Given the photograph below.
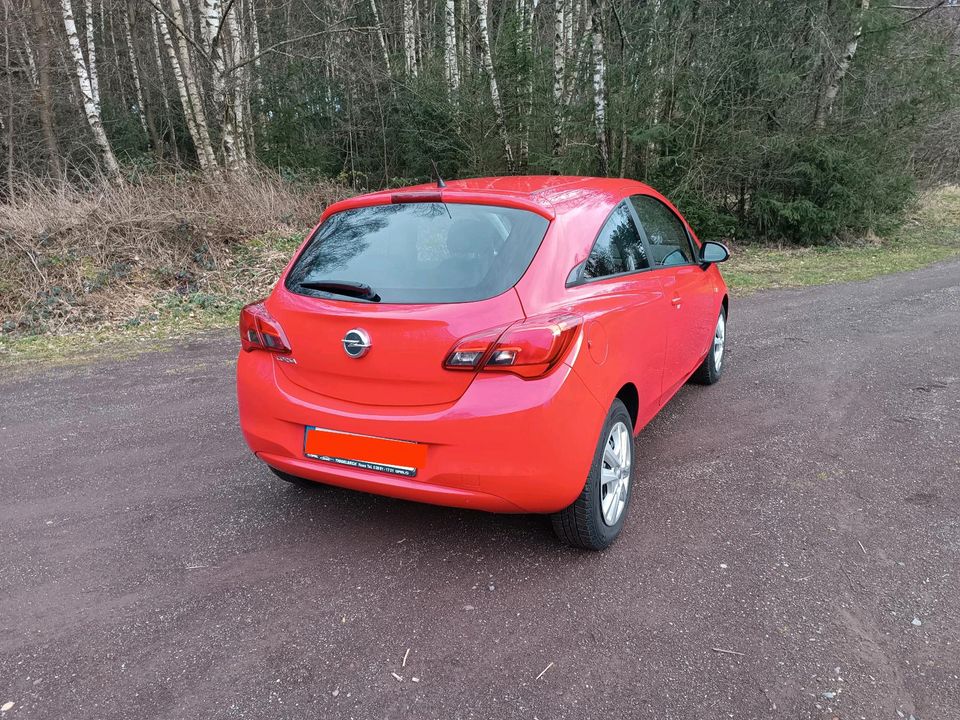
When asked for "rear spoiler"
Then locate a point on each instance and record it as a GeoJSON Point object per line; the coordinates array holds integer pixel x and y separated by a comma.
{"type": "Point", "coordinates": [469, 197]}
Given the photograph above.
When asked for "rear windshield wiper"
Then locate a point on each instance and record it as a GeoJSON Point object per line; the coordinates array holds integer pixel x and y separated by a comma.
{"type": "Point", "coordinates": [343, 287]}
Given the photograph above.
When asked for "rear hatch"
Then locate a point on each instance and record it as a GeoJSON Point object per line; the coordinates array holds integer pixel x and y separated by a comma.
{"type": "Point", "coordinates": [410, 279]}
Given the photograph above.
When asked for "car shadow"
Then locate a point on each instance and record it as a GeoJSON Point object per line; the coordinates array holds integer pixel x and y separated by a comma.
{"type": "Point", "coordinates": [327, 510]}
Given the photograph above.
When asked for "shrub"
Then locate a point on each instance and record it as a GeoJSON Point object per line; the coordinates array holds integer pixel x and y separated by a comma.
{"type": "Point", "coordinates": [75, 255]}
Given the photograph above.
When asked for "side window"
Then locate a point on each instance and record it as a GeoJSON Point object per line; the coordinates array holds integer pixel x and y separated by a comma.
{"type": "Point", "coordinates": [618, 248]}
{"type": "Point", "coordinates": [668, 239]}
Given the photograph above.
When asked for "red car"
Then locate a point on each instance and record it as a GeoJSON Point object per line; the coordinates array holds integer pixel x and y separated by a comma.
{"type": "Point", "coordinates": [491, 344]}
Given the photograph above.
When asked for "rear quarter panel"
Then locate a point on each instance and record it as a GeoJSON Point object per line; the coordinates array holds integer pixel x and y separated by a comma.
{"type": "Point", "coordinates": [624, 332]}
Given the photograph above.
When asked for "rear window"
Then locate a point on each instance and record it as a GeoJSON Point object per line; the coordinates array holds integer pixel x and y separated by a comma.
{"type": "Point", "coordinates": [419, 252]}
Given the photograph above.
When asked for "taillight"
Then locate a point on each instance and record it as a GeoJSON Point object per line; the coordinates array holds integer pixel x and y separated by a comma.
{"type": "Point", "coordinates": [529, 348]}
{"type": "Point", "coordinates": [469, 353]}
{"type": "Point", "coordinates": [259, 331]}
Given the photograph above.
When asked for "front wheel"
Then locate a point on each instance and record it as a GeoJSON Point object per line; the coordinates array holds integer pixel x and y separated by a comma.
{"type": "Point", "coordinates": [711, 367]}
{"type": "Point", "coordinates": [596, 517]}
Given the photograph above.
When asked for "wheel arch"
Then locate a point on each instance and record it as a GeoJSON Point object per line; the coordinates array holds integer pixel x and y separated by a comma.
{"type": "Point", "coordinates": [629, 396]}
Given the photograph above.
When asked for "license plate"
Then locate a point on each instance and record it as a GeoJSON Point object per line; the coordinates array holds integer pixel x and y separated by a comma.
{"type": "Point", "coordinates": [394, 457]}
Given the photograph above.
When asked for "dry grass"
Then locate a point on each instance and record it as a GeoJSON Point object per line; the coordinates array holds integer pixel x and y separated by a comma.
{"type": "Point", "coordinates": [73, 258]}
{"type": "Point", "coordinates": [137, 268]}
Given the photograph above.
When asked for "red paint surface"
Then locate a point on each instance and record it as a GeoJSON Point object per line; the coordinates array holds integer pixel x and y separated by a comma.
{"type": "Point", "coordinates": [492, 440]}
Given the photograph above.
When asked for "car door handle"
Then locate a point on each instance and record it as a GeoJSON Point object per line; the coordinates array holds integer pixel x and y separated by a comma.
{"type": "Point", "coordinates": [676, 300]}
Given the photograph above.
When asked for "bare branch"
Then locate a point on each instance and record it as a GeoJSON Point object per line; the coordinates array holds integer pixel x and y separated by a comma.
{"type": "Point", "coordinates": [283, 43]}
{"type": "Point", "coordinates": [181, 31]}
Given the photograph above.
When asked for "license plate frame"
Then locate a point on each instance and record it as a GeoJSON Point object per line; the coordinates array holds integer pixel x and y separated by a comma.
{"type": "Point", "coordinates": [388, 456]}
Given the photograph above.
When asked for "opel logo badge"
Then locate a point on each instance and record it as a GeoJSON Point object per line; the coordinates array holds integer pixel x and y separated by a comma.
{"type": "Point", "coordinates": [356, 343]}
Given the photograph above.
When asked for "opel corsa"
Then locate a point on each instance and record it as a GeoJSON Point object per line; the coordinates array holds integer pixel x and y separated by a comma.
{"type": "Point", "coordinates": [493, 344]}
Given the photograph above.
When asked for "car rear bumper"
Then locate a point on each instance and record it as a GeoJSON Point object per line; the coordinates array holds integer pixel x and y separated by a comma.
{"type": "Point", "coordinates": [507, 445]}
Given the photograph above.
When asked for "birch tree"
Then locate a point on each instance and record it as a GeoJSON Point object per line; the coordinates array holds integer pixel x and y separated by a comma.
{"type": "Point", "coordinates": [196, 122]}
{"type": "Point", "coordinates": [234, 105]}
{"type": "Point", "coordinates": [221, 42]}
{"type": "Point", "coordinates": [834, 76]}
{"type": "Point", "coordinates": [90, 107]}
{"type": "Point", "coordinates": [599, 85]}
{"type": "Point", "coordinates": [451, 66]}
{"type": "Point", "coordinates": [487, 59]}
{"type": "Point", "coordinates": [7, 23]}
{"type": "Point", "coordinates": [135, 71]}
{"type": "Point", "coordinates": [559, 67]}
{"type": "Point", "coordinates": [656, 72]}
{"type": "Point", "coordinates": [381, 37]}
{"type": "Point", "coordinates": [527, 10]}
{"type": "Point", "coordinates": [92, 54]}
{"type": "Point", "coordinates": [410, 38]}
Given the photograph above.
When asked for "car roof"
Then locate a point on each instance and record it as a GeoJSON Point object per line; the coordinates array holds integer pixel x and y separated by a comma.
{"type": "Point", "coordinates": [551, 195]}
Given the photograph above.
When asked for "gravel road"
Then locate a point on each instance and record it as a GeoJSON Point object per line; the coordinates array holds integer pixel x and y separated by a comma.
{"type": "Point", "coordinates": [793, 548]}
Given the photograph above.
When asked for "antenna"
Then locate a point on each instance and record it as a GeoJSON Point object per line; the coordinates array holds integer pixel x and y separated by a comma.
{"type": "Point", "coordinates": [440, 182]}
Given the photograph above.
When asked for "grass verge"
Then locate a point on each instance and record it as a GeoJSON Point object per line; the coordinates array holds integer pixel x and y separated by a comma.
{"type": "Point", "coordinates": [932, 233]}
{"type": "Point", "coordinates": [246, 269]}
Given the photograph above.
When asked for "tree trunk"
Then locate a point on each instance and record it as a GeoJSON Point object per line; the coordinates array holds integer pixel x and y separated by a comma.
{"type": "Point", "coordinates": [135, 72]}
{"type": "Point", "coordinates": [234, 152]}
{"type": "Point", "coordinates": [409, 38]}
{"type": "Point", "coordinates": [599, 85]}
{"type": "Point", "coordinates": [656, 68]}
{"type": "Point", "coordinates": [181, 47]}
{"type": "Point", "coordinates": [559, 69]}
{"type": "Point", "coordinates": [492, 78]}
{"type": "Point", "coordinates": [28, 59]}
{"type": "Point", "coordinates": [211, 22]}
{"type": "Point", "coordinates": [381, 36]}
{"type": "Point", "coordinates": [835, 77]}
{"type": "Point", "coordinates": [90, 107]}
{"type": "Point", "coordinates": [7, 71]}
{"type": "Point", "coordinates": [450, 46]}
{"type": "Point", "coordinates": [164, 92]}
{"type": "Point", "coordinates": [466, 44]}
{"type": "Point", "coordinates": [256, 87]}
{"type": "Point", "coordinates": [92, 54]}
{"type": "Point", "coordinates": [528, 9]}
{"type": "Point", "coordinates": [44, 93]}
{"type": "Point", "coordinates": [201, 141]}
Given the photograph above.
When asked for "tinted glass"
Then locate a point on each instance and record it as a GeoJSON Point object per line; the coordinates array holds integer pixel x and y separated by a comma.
{"type": "Point", "coordinates": [666, 235]}
{"type": "Point", "coordinates": [618, 248]}
{"type": "Point", "coordinates": [421, 252]}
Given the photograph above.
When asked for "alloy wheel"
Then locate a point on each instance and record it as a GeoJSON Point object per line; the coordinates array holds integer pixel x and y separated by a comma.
{"type": "Point", "coordinates": [615, 468]}
{"type": "Point", "coordinates": [718, 338]}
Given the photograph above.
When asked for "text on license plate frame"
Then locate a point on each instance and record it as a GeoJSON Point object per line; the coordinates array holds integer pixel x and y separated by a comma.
{"type": "Point", "coordinates": [365, 452]}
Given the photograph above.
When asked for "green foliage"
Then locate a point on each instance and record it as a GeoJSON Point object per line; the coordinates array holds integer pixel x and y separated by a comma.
{"type": "Point", "coordinates": [827, 187]}
{"type": "Point", "coordinates": [716, 104]}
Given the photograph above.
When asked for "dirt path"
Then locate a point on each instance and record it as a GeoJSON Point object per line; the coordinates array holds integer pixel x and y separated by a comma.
{"type": "Point", "coordinates": [803, 515]}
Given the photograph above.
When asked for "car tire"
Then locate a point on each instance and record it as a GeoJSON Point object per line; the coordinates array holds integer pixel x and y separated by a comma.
{"type": "Point", "coordinates": [293, 479]}
{"type": "Point", "coordinates": [712, 366]}
{"type": "Point", "coordinates": [592, 522]}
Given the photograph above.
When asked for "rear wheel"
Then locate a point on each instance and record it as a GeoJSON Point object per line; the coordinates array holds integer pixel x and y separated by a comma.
{"type": "Point", "coordinates": [597, 516]}
{"type": "Point", "coordinates": [711, 367]}
{"type": "Point", "coordinates": [293, 479]}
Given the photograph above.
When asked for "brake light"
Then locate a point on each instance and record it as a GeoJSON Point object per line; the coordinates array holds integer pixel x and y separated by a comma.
{"type": "Point", "coordinates": [469, 353]}
{"type": "Point", "coordinates": [259, 331]}
{"type": "Point", "coordinates": [529, 348]}
{"type": "Point", "coordinates": [417, 196]}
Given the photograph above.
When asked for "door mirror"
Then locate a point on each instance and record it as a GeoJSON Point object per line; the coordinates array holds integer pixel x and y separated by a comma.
{"type": "Point", "coordinates": [713, 252]}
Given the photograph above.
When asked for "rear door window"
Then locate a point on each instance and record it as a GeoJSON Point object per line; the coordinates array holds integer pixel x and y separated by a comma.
{"type": "Point", "coordinates": [420, 252]}
{"type": "Point", "coordinates": [618, 248]}
{"type": "Point", "coordinates": [666, 235]}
